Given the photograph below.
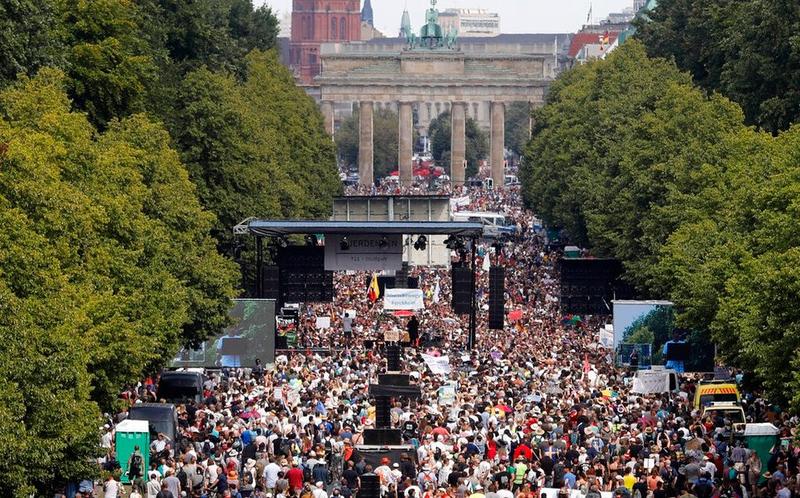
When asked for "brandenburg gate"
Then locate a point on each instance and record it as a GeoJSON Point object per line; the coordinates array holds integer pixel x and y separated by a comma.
{"type": "Point", "coordinates": [429, 75]}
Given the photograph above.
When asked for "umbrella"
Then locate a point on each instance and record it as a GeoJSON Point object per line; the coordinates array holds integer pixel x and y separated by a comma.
{"type": "Point", "coordinates": [422, 172]}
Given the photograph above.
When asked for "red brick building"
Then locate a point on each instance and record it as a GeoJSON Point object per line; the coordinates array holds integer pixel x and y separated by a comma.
{"type": "Point", "coordinates": [318, 21]}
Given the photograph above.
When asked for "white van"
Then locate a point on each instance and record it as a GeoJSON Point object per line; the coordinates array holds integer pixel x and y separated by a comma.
{"type": "Point", "coordinates": [495, 225]}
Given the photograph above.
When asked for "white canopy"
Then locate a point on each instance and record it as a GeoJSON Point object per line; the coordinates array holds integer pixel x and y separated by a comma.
{"type": "Point", "coordinates": [765, 429]}
{"type": "Point", "coordinates": [128, 425]}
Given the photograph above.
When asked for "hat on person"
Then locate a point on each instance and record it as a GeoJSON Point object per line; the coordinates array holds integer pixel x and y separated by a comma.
{"type": "Point", "coordinates": [395, 465]}
{"type": "Point", "coordinates": [250, 463]}
{"type": "Point", "coordinates": [319, 484]}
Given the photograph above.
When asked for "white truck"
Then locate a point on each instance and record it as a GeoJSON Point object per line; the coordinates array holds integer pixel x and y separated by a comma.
{"type": "Point", "coordinates": [654, 381]}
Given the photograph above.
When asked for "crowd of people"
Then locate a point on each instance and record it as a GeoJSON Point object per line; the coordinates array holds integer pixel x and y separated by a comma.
{"type": "Point", "coordinates": [538, 408]}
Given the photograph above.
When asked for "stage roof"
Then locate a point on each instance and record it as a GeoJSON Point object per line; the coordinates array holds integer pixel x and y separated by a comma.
{"type": "Point", "coordinates": [277, 228]}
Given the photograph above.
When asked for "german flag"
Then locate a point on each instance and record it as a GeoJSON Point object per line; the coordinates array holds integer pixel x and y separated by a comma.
{"type": "Point", "coordinates": [374, 292]}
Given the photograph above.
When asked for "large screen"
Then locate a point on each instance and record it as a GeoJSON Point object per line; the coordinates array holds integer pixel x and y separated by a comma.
{"type": "Point", "coordinates": [653, 322]}
{"type": "Point", "coordinates": [251, 336]}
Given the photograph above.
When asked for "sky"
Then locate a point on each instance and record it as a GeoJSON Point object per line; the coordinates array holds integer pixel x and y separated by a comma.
{"type": "Point", "coordinates": [516, 16]}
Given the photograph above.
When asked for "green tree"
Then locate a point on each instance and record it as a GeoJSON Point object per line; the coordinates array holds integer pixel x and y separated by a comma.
{"type": "Point", "coordinates": [734, 268]}
{"type": "Point", "coordinates": [440, 136]}
{"type": "Point", "coordinates": [211, 33]}
{"type": "Point", "coordinates": [29, 38]}
{"type": "Point", "coordinates": [106, 267]}
{"type": "Point", "coordinates": [616, 141]}
{"type": "Point", "coordinates": [109, 62]}
{"type": "Point", "coordinates": [754, 58]}
{"type": "Point", "coordinates": [256, 148]}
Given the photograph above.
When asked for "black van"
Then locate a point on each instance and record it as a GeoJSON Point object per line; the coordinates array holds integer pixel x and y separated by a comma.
{"type": "Point", "coordinates": [162, 418]}
{"type": "Point", "coordinates": [180, 387]}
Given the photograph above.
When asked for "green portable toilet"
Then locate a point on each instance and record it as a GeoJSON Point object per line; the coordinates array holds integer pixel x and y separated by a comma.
{"type": "Point", "coordinates": [572, 252]}
{"type": "Point", "coordinates": [129, 434]}
{"type": "Point", "coordinates": [761, 438]}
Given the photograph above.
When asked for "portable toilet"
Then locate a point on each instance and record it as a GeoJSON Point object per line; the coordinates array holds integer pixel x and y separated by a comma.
{"type": "Point", "coordinates": [761, 438]}
{"type": "Point", "coordinates": [129, 434]}
{"type": "Point", "coordinates": [572, 252]}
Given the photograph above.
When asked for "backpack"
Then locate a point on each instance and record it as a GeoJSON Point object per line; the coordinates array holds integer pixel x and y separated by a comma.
{"type": "Point", "coordinates": [247, 478]}
{"type": "Point", "coordinates": [136, 465]}
{"type": "Point", "coordinates": [183, 478]}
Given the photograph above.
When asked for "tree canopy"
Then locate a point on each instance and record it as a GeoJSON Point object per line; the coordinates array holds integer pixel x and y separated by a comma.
{"type": "Point", "coordinates": [747, 50]}
{"type": "Point", "coordinates": [109, 267]}
{"type": "Point", "coordinates": [133, 135]}
{"type": "Point", "coordinates": [640, 165]}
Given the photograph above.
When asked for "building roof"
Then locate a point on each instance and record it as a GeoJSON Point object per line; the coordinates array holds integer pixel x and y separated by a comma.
{"type": "Point", "coordinates": [579, 40]}
{"type": "Point", "coordinates": [277, 228]}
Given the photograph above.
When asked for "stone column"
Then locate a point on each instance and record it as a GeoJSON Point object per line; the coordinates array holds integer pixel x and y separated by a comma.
{"type": "Point", "coordinates": [405, 142]}
{"type": "Point", "coordinates": [327, 113]}
{"type": "Point", "coordinates": [458, 143]}
{"type": "Point", "coordinates": [497, 143]}
{"type": "Point", "coordinates": [365, 171]}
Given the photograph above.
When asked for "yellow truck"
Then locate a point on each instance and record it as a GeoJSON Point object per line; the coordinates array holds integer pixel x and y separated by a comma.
{"type": "Point", "coordinates": [716, 392]}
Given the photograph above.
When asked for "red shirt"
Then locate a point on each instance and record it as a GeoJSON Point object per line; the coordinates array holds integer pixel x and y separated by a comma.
{"type": "Point", "coordinates": [523, 450]}
{"type": "Point", "coordinates": [295, 477]}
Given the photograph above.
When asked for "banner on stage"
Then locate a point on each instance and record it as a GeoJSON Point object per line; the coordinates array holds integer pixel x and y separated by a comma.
{"type": "Point", "coordinates": [363, 252]}
{"type": "Point", "coordinates": [403, 299]}
{"type": "Point", "coordinates": [439, 365]}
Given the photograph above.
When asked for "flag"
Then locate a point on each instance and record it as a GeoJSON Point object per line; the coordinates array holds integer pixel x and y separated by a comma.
{"type": "Point", "coordinates": [374, 292]}
{"type": "Point", "coordinates": [604, 39]}
{"type": "Point", "coordinates": [589, 16]}
{"type": "Point", "coordinates": [436, 291]}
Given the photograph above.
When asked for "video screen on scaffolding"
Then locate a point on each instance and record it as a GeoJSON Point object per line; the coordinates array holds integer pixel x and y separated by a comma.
{"type": "Point", "coordinates": [251, 336]}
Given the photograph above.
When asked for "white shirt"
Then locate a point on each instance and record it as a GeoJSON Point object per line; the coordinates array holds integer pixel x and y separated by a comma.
{"type": "Point", "coordinates": [271, 474]}
{"type": "Point", "coordinates": [111, 489]}
{"type": "Point", "coordinates": [319, 493]}
{"type": "Point", "coordinates": [158, 445]}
